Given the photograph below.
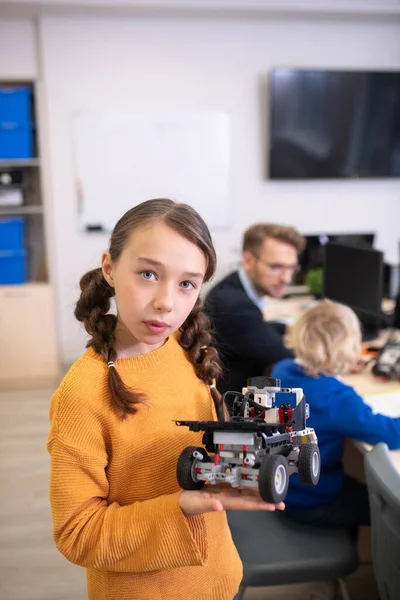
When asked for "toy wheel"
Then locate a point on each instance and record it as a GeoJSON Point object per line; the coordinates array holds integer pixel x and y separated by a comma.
{"type": "Point", "coordinates": [273, 479]}
{"type": "Point", "coordinates": [185, 468]}
{"type": "Point", "coordinates": [309, 465]}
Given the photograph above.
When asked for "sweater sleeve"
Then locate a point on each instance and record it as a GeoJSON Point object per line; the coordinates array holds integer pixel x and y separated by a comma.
{"type": "Point", "coordinates": [353, 418]}
{"type": "Point", "coordinates": [91, 532]}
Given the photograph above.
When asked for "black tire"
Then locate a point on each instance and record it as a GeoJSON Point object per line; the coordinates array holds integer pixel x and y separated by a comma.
{"type": "Point", "coordinates": [273, 478]}
{"type": "Point", "coordinates": [186, 464]}
{"type": "Point", "coordinates": [309, 465]}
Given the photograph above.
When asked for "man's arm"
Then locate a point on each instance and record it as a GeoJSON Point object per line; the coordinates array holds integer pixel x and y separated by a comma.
{"type": "Point", "coordinates": [244, 332]}
{"type": "Point", "coordinates": [278, 326]}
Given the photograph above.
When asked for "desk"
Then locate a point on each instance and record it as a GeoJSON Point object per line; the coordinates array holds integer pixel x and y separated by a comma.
{"type": "Point", "coordinates": [365, 384]}
{"type": "Point", "coordinates": [286, 310]}
{"type": "Point", "coordinates": [382, 397]}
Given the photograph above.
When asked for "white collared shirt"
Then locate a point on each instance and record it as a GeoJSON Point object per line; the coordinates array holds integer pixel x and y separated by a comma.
{"type": "Point", "coordinates": [259, 301]}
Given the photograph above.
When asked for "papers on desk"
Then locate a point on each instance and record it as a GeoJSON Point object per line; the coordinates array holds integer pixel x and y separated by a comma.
{"type": "Point", "coordinates": [286, 310]}
{"type": "Point", "coordinates": [386, 403]}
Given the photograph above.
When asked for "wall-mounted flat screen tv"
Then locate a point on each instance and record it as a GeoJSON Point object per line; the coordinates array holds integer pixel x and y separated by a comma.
{"type": "Point", "coordinates": [334, 124]}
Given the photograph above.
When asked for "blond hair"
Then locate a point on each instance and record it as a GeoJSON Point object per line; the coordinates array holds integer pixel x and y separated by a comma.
{"type": "Point", "coordinates": [326, 339]}
{"type": "Point", "coordinates": [255, 235]}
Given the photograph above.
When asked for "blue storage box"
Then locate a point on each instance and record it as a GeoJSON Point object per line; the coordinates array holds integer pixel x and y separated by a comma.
{"type": "Point", "coordinates": [12, 267]}
{"type": "Point", "coordinates": [12, 233]}
{"type": "Point", "coordinates": [15, 105]}
{"type": "Point", "coordinates": [15, 141]}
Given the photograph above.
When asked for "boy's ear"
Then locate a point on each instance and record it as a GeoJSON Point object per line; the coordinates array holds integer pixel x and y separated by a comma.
{"type": "Point", "coordinates": [107, 268]}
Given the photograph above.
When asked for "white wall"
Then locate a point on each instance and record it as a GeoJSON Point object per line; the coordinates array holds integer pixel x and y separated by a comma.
{"type": "Point", "coordinates": [17, 49]}
{"type": "Point", "coordinates": [166, 65]}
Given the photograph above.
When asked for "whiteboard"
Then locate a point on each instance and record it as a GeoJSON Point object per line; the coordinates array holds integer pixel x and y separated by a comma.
{"type": "Point", "coordinates": [121, 161]}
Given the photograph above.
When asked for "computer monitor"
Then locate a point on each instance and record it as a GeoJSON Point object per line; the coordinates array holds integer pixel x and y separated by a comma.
{"type": "Point", "coordinates": [353, 276]}
{"type": "Point", "coordinates": [396, 313]}
{"type": "Point", "coordinates": [313, 255]}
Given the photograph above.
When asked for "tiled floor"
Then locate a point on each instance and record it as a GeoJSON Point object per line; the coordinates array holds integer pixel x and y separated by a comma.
{"type": "Point", "coordinates": [30, 566]}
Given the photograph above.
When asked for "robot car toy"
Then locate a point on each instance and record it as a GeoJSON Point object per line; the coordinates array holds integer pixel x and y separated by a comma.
{"type": "Point", "coordinates": [387, 363]}
{"type": "Point", "coordinates": [259, 447]}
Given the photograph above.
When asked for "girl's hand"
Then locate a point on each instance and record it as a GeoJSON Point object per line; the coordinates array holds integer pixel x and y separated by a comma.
{"type": "Point", "coordinates": [216, 499]}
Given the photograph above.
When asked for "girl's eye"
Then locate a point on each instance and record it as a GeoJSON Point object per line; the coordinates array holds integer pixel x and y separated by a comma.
{"type": "Point", "coordinates": [187, 285]}
{"type": "Point", "coordinates": [148, 275]}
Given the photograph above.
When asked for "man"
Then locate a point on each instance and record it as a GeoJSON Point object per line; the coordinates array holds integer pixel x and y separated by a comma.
{"type": "Point", "coordinates": [249, 345]}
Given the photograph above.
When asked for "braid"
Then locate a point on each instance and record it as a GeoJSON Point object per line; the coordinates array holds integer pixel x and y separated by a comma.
{"type": "Point", "coordinates": [196, 339]}
{"type": "Point", "coordinates": [92, 310]}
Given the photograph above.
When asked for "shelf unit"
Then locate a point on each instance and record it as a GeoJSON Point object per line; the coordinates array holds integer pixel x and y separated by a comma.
{"type": "Point", "coordinates": [26, 162]}
{"type": "Point", "coordinates": [32, 208]}
{"type": "Point", "coordinates": [20, 210]}
{"type": "Point", "coordinates": [28, 342]}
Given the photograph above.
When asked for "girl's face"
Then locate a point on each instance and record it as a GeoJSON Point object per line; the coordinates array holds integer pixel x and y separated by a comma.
{"type": "Point", "coordinates": [157, 281]}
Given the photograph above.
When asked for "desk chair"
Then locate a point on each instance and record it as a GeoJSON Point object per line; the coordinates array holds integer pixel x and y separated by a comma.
{"type": "Point", "coordinates": [383, 480]}
{"type": "Point", "coordinates": [276, 550]}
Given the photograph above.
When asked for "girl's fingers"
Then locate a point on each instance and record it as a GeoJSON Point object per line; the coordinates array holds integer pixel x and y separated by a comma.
{"type": "Point", "coordinates": [194, 503]}
{"type": "Point", "coordinates": [246, 502]}
{"type": "Point", "coordinates": [228, 495]}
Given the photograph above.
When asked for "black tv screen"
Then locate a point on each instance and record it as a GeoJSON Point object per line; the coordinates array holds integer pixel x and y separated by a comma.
{"type": "Point", "coordinates": [334, 124]}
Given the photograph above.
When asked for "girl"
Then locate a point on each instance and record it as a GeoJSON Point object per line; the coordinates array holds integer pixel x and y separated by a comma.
{"type": "Point", "coordinates": [117, 509]}
{"type": "Point", "coordinates": [327, 343]}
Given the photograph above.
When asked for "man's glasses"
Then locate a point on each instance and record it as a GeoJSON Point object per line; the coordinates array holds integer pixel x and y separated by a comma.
{"type": "Point", "coordinates": [279, 269]}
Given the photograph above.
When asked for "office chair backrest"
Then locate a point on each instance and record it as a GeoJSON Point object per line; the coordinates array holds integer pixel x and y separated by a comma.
{"type": "Point", "coordinates": [384, 495]}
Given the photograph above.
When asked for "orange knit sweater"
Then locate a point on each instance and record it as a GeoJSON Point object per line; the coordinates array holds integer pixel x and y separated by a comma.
{"type": "Point", "coordinates": [113, 490]}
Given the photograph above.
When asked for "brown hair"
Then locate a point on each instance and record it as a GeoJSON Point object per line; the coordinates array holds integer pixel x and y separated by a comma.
{"type": "Point", "coordinates": [326, 339]}
{"type": "Point", "coordinates": [255, 235]}
{"type": "Point", "coordinates": [94, 303]}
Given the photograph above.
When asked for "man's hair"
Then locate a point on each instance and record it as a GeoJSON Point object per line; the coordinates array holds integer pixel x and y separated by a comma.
{"type": "Point", "coordinates": [255, 235]}
{"type": "Point", "coordinates": [326, 339]}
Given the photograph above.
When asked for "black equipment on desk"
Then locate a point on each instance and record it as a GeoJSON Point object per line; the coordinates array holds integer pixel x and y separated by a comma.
{"type": "Point", "coordinates": [354, 277]}
{"type": "Point", "coordinates": [396, 314]}
{"type": "Point", "coordinates": [387, 363]}
{"type": "Point", "coordinates": [312, 256]}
